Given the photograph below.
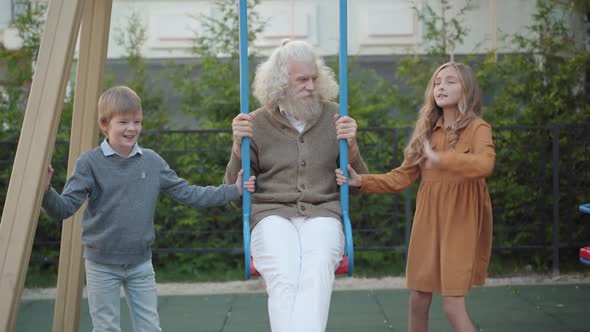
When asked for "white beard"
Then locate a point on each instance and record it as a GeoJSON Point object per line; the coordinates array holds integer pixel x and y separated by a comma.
{"type": "Point", "coordinates": [305, 111]}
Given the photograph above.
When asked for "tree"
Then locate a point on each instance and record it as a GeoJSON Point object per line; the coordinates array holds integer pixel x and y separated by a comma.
{"type": "Point", "coordinates": [14, 87]}
{"type": "Point", "coordinates": [132, 38]}
{"type": "Point", "coordinates": [541, 80]}
{"type": "Point", "coordinates": [443, 33]}
{"type": "Point", "coordinates": [210, 87]}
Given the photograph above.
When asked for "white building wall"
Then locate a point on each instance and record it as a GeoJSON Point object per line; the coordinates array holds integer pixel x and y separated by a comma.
{"type": "Point", "coordinates": [512, 16]}
{"type": "Point", "coordinates": [5, 16]}
{"type": "Point", "coordinates": [5, 13]}
{"type": "Point", "coordinates": [376, 27]}
{"type": "Point", "coordinates": [170, 25]}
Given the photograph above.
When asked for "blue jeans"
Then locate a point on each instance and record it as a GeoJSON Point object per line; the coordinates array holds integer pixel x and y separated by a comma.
{"type": "Point", "coordinates": [103, 284]}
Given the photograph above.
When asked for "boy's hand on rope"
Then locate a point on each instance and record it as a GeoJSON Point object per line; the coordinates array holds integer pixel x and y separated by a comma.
{"type": "Point", "coordinates": [250, 185]}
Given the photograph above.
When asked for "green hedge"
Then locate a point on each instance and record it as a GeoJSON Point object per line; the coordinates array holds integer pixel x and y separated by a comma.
{"type": "Point", "coordinates": [522, 190]}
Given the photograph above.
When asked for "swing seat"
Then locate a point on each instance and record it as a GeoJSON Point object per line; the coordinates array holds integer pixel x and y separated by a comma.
{"type": "Point", "coordinates": [585, 252]}
{"type": "Point", "coordinates": [346, 265]}
{"type": "Point", "coordinates": [585, 255]}
{"type": "Point", "coordinates": [342, 268]}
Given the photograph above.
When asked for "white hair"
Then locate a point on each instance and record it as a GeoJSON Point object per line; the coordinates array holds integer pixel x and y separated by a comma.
{"type": "Point", "coordinates": [271, 79]}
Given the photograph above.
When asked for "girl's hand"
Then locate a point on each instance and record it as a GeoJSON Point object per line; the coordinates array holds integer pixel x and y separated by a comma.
{"type": "Point", "coordinates": [354, 181]}
{"type": "Point", "coordinates": [49, 176]}
{"type": "Point", "coordinates": [250, 185]}
{"type": "Point", "coordinates": [432, 157]}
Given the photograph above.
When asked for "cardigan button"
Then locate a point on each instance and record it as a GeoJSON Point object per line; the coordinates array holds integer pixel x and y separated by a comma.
{"type": "Point", "coordinates": [300, 139]}
{"type": "Point", "coordinates": [303, 163]}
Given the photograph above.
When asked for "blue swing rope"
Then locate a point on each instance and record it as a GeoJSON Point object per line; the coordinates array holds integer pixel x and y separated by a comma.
{"type": "Point", "coordinates": [244, 108]}
{"type": "Point", "coordinates": [343, 145]}
{"type": "Point", "coordinates": [343, 74]}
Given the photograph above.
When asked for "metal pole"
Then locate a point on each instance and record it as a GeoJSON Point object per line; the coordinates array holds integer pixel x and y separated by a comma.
{"type": "Point", "coordinates": [555, 140]}
{"type": "Point", "coordinates": [494, 28]}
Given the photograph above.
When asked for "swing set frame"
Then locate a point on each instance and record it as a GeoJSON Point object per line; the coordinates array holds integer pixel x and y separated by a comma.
{"type": "Point", "coordinates": [90, 20]}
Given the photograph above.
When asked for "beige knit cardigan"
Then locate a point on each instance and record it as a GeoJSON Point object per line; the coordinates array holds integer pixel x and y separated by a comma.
{"type": "Point", "coordinates": [294, 171]}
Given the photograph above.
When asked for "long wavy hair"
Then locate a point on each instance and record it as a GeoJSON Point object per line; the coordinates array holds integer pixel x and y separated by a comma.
{"type": "Point", "coordinates": [271, 79]}
{"type": "Point", "coordinates": [470, 108]}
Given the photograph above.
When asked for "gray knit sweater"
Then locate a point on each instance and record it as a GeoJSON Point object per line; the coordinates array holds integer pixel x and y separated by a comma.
{"type": "Point", "coordinates": [294, 171]}
{"type": "Point", "coordinates": [118, 222]}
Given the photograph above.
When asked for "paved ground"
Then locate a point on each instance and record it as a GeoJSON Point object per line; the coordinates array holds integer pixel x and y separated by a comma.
{"type": "Point", "coordinates": [541, 308]}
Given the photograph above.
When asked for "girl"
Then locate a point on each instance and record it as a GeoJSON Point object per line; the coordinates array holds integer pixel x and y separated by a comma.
{"type": "Point", "coordinates": [452, 151]}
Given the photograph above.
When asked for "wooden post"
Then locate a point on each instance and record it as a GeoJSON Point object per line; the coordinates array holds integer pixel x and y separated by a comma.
{"type": "Point", "coordinates": [94, 35]}
{"type": "Point", "coordinates": [35, 147]}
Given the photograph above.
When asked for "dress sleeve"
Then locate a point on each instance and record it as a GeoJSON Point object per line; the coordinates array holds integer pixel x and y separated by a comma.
{"type": "Point", "coordinates": [474, 161]}
{"type": "Point", "coordinates": [394, 181]}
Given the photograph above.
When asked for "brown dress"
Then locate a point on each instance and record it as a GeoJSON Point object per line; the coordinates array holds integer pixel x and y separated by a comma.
{"type": "Point", "coordinates": [451, 239]}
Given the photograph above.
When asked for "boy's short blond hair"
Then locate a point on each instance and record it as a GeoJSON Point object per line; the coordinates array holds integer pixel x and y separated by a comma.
{"type": "Point", "coordinates": [117, 100]}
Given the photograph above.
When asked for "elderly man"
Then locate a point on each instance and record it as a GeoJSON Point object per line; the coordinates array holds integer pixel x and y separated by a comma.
{"type": "Point", "coordinates": [297, 240]}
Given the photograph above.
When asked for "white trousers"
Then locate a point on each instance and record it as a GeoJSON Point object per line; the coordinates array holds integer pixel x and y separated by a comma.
{"type": "Point", "coordinates": [297, 259]}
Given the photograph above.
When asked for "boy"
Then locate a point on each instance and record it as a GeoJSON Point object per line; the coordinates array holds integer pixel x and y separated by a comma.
{"type": "Point", "coordinates": [121, 182]}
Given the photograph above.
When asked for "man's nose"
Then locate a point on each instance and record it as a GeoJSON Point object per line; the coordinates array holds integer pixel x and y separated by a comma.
{"type": "Point", "coordinates": [310, 85]}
